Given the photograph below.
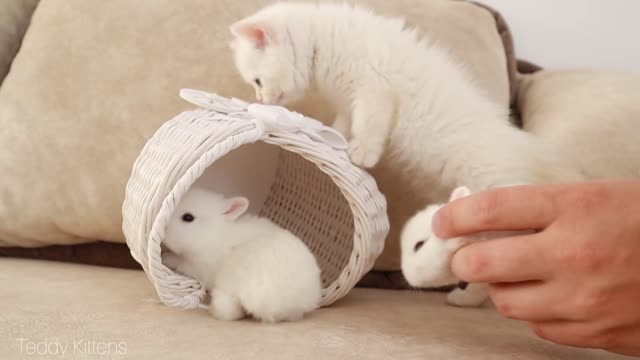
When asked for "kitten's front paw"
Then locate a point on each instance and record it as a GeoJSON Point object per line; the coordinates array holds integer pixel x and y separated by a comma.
{"type": "Point", "coordinates": [364, 154]}
{"type": "Point", "coordinates": [467, 298]}
{"type": "Point", "coordinates": [343, 125]}
{"type": "Point", "coordinates": [225, 307]}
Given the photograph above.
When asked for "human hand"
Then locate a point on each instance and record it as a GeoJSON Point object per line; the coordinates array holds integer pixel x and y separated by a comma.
{"type": "Point", "coordinates": [577, 280]}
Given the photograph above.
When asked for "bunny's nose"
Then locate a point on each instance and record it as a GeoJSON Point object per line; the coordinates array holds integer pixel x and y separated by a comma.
{"type": "Point", "coordinates": [418, 246]}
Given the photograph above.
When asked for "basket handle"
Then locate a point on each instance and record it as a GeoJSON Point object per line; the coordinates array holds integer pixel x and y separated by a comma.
{"type": "Point", "coordinates": [213, 102]}
{"type": "Point", "coordinates": [270, 118]}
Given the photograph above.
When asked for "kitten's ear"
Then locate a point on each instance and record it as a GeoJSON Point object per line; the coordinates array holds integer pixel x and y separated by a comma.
{"type": "Point", "coordinates": [235, 207]}
{"type": "Point", "coordinates": [257, 32]}
{"type": "Point", "coordinates": [459, 193]}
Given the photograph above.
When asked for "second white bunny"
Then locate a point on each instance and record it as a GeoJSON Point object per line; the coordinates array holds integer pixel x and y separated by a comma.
{"type": "Point", "coordinates": [426, 258]}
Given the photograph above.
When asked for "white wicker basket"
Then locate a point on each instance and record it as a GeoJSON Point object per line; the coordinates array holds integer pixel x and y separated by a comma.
{"type": "Point", "coordinates": [317, 194]}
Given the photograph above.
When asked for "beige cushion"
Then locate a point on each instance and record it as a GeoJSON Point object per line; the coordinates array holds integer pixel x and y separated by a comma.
{"type": "Point", "coordinates": [592, 117]}
{"type": "Point", "coordinates": [88, 303]}
{"type": "Point", "coordinates": [94, 80]}
{"type": "Point", "coordinates": [14, 19]}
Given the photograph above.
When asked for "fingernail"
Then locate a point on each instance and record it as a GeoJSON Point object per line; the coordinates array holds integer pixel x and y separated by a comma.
{"type": "Point", "coordinates": [435, 223]}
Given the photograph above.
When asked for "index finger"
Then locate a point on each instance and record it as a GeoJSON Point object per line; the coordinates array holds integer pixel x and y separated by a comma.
{"type": "Point", "coordinates": [501, 209]}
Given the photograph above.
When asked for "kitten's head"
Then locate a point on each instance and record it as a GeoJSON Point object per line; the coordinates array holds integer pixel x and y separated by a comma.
{"type": "Point", "coordinates": [271, 56]}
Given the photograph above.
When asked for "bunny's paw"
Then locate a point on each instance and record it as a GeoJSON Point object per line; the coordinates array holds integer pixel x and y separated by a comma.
{"type": "Point", "coordinates": [226, 307]}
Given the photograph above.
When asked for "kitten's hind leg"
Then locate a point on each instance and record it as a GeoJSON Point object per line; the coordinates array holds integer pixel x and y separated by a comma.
{"type": "Point", "coordinates": [225, 307]}
{"type": "Point", "coordinates": [474, 295]}
{"type": "Point", "coordinates": [373, 111]}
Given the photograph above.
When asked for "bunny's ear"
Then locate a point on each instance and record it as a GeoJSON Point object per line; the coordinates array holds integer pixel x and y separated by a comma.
{"type": "Point", "coordinates": [257, 32]}
{"type": "Point", "coordinates": [459, 193]}
{"type": "Point", "coordinates": [235, 207]}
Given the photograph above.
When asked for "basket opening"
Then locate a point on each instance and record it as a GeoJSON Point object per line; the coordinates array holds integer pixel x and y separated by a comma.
{"type": "Point", "coordinates": [293, 193]}
{"type": "Point", "coordinates": [307, 202]}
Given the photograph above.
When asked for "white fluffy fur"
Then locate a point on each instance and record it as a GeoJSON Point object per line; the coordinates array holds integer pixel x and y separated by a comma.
{"type": "Point", "coordinates": [393, 92]}
{"type": "Point", "coordinates": [248, 264]}
{"type": "Point", "coordinates": [426, 258]}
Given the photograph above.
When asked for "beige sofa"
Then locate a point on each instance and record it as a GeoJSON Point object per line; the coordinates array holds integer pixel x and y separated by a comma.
{"type": "Point", "coordinates": [91, 82]}
{"type": "Point", "coordinates": [67, 302]}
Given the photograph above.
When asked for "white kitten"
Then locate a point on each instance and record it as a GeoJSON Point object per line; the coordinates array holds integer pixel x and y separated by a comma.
{"type": "Point", "coordinates": [426, 259]}
{"type": "Point", "coordinates": [248, 264]}
{"type": "Point", "coordinates": [392, 91]}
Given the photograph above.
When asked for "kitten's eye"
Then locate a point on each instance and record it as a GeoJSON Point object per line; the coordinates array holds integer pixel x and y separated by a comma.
{"type": "Point", "coordinates": [187, 217]}
{"type": "Point", "coordinates": [258, 82]}
{"type": "Point", "coordinates": [418, 246]}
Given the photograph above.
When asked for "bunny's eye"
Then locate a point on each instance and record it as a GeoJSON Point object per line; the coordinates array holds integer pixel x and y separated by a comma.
{"type": "Point", "coordinates": [418, 246]}
{"type": "Point", "coordinates": [187, 217]}
{"type": "Point", "coordinates": [258, 82]}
